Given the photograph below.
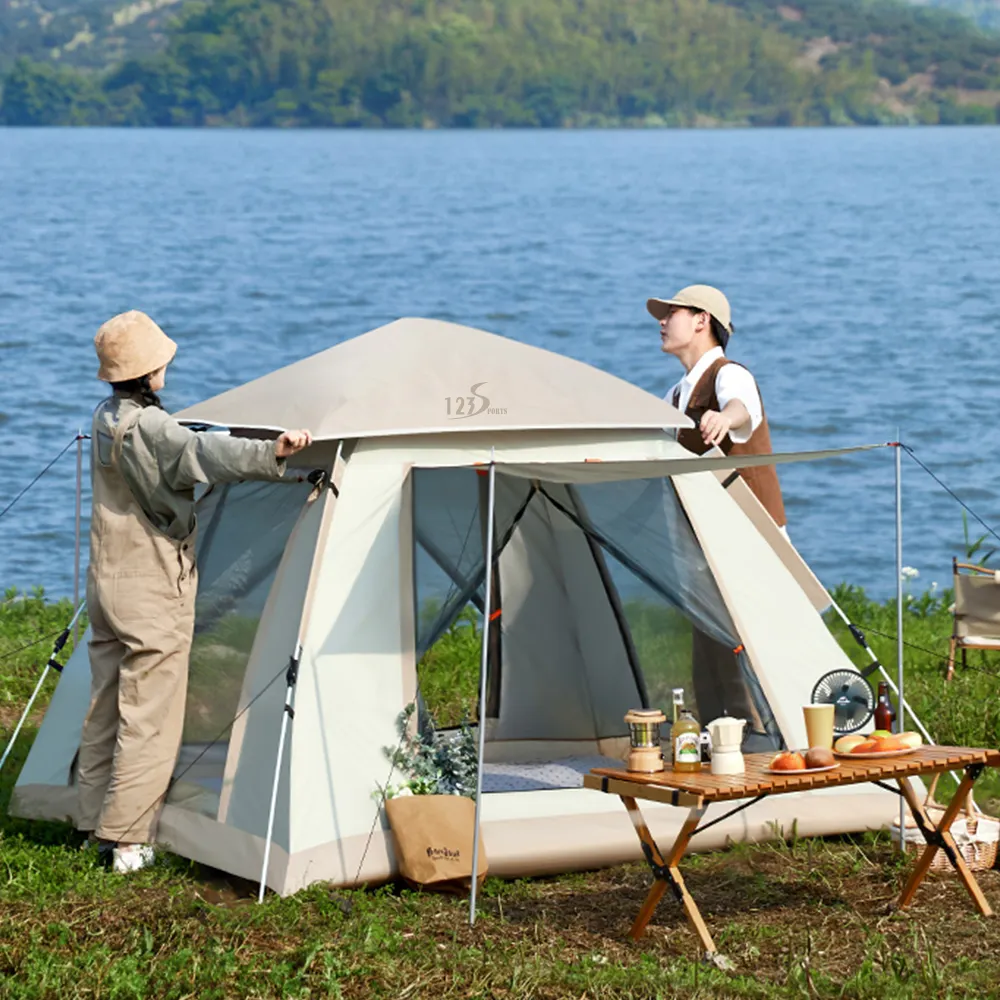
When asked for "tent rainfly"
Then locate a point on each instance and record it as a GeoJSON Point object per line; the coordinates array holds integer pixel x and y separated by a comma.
{"type": "Point", "coordinates": [624, 567]}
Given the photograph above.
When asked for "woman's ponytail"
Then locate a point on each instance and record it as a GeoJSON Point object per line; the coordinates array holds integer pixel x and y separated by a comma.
{"type": "Point", "coordinates": [139, 387]}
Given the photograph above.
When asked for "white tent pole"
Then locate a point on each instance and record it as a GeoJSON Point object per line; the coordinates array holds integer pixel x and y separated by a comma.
{"type": "Point", "coordinates": [483, 664]}
{"type": "Point", "coordinates": [900, 710]}
{"type": "Point", "coordinates": [77, 536]}
{"type": "Point", "coordinates": [24, 715]}
{"type": "Point", "coordinates": [292, 674]}
{"type": "Point", "coordinates": [287, 713]}
{"type": "Point", "coordinates": [60, 642]}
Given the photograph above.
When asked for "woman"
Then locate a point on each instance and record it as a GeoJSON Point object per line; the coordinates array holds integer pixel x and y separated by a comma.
{"type": "Point", "coordinates": [142, 580]}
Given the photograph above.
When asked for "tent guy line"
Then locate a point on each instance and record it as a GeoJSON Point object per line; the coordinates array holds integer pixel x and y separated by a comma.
{"type": "Point", "coordinates": [909, 451]}
{"type": "Point", "coordinates": [75, 439]}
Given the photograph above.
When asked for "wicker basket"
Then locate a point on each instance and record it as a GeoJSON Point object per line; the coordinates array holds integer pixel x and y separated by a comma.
{"type": "Point", "coordinates": [976, 835]}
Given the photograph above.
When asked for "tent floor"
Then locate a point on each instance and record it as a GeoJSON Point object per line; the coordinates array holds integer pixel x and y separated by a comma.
{"type": "Point", "coordinates": [200, 788]}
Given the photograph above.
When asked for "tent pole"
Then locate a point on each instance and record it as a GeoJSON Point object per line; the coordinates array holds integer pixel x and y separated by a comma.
{"type": "Point", "coordinates": [52, 664]}
{"type": "Point", "coordinates": [76, 550]}
{"type": "Point", "coordinates": [483, 664]}
{"type": "Point", "coordinates": [900, 704]}
{"type": "Point", "coordinates": [291, 676]}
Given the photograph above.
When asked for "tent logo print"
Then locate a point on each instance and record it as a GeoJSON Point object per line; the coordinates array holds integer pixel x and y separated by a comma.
{"type": "Point", "coordinates": [461, 407]}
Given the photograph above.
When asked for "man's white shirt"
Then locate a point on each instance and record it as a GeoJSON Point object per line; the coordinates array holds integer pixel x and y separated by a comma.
{"type": "Point", "coordinates": [731, 382]}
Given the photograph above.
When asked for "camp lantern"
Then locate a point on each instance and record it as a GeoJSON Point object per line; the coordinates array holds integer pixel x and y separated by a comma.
{"type": "Point", "coordinates": [644, 739]}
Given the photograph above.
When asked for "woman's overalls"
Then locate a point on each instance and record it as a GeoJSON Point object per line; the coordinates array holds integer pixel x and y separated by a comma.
{"type": "Point", "coordinates": [141, 587]}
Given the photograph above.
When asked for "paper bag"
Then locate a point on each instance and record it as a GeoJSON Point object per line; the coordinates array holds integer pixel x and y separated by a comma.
{"type": "Point", "coordinates": [432, 835]}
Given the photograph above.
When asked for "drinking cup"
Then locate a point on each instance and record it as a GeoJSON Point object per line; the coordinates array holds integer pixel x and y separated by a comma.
{"type": "Point", "coordinates": [819, 725]}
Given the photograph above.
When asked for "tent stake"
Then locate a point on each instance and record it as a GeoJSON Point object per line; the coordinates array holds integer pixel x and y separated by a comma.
{"type": "Point", "coordinates": [483, 665]}
{"type": "Point", "coordinates": [900, 703]}
{"type": "Point", "coordinates": [288, 713]}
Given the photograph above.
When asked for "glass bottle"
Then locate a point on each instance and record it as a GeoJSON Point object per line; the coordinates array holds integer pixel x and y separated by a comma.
{"type": "Point", "coordinates": [677, 697]}
{"type": "Point", "coordinates": [685, 737]}
{"type": "Point", "coordinates": [885, 714]}
{"type": "Point", "coordinates": [676, 707]}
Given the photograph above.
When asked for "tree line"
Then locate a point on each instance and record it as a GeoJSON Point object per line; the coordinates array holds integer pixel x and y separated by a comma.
{"type": "Point", "coordinates": [510, 63]}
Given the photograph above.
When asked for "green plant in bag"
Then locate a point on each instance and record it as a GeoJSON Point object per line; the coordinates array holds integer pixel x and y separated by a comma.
{"type": "Point", "coordinates": [433, 762]}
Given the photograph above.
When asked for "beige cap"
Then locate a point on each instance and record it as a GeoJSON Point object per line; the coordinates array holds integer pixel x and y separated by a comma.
{"type": "Point", "coordinates": [705, 297]}
{"type": "Point", "coordinates": [131, 345]}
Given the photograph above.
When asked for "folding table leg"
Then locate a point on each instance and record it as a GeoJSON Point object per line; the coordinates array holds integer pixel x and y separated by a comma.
{"type": "Point", "coordinates": [940, 838]}
{"type": "Point", "coordinates": [667, 874]}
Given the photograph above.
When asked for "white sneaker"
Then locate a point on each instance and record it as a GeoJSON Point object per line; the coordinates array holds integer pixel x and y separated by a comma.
{"type": "Point", "coordinates": [132, 858]}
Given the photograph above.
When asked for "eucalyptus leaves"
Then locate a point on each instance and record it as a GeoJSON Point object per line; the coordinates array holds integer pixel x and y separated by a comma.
{"type": "Point", "coordinates": [431, 762]}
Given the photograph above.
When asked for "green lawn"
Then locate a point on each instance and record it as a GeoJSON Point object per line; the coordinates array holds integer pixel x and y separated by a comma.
{"type": "Point", "coordinates": [808, 918]}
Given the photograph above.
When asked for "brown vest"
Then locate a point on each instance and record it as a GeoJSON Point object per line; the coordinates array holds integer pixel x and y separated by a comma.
{"type": "Point", "coordinates": [762, 479]}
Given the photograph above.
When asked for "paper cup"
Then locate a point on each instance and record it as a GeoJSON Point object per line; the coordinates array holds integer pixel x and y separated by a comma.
{"type": "Point", "coordinates": [819, 725]}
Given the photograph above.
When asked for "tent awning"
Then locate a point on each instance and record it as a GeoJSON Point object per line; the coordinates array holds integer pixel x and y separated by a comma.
{"type": "Point", "coordinates": [609, 470]}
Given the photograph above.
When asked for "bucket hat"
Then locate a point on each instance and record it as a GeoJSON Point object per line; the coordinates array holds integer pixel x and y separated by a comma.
{"type": "Point", "coordinates": [131, 345]}
{"type": "Point", "coordinates": [703, 297]}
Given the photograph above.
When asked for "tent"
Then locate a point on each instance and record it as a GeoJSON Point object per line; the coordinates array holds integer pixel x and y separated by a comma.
{"type": "Point", "coordinates": [624, 567]}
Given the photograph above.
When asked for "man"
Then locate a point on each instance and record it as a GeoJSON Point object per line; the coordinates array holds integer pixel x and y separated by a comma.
{"type": "Point", "coordinates": [723, 400]}
{"type": "Point", "coordinates": [719, 395]}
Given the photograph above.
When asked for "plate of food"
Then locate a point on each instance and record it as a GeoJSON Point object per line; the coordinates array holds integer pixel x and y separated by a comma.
{"type": "Point", "coordinates": [794, 762]}
{"type": "Point", "coordinates": [879, 743]}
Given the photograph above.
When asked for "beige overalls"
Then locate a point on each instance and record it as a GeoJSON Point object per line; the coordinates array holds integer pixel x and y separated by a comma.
{"type": "Point", "coordinates": [141, 586]}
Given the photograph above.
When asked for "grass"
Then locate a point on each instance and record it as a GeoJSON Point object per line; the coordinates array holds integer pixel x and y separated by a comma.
{"type": "Point", "coordinates": [807, 918]}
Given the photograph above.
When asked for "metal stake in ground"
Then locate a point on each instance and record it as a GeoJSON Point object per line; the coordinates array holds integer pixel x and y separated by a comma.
{"type": "Point", "coordinates": [483, 664]}
{"type": "Point", "coordinates": [54, 664]}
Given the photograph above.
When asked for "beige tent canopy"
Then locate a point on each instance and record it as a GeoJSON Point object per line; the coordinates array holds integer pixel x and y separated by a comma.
{"type": "Point", "coordinates": [621, 559]}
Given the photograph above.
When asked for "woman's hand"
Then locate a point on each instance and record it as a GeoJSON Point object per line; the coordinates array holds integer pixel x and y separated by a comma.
{"type": "Point", "coordinates": [291, 442]}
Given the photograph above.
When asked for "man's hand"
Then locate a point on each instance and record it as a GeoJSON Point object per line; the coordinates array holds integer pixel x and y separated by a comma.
{"type": "Point", "coordinates": [715, 426]}
{"type": "Point", "coordinates": [291, 442]}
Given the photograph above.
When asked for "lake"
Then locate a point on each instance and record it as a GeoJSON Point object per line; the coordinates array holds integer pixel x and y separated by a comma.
{"type": "Point", "coordinates": [862, 266]}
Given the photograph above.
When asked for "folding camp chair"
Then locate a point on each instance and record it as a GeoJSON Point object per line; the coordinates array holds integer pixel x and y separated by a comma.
{"type": "Point", "coordinates": [977, 611]}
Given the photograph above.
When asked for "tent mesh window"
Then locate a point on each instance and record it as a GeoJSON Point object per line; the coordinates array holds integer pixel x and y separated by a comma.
{"type": "Point", "coordinates": [449, 524]}
{"type": "Point", "coordinates": [242, 532]}
{"type": "Point", "coordinates": [607, 603]}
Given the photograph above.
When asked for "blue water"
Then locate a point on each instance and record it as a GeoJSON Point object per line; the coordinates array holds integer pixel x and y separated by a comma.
{"type": "Point", "coordinates": [862, 266]}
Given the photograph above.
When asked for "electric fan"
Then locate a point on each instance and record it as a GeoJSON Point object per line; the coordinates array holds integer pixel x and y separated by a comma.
{"type": "Point", "coordinates": [850, 694]}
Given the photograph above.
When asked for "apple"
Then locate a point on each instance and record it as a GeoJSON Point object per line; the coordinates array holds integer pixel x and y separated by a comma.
{"type": "Point", "coordinates": [879, 732]}
{"type": "Point", "coordinates": [788, 761]}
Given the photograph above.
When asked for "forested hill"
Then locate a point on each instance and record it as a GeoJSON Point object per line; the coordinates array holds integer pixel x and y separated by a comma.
{"type": "Point", "coordinates": [488, 63]}
{"type": "Point", "coordinates": [986, 13]}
